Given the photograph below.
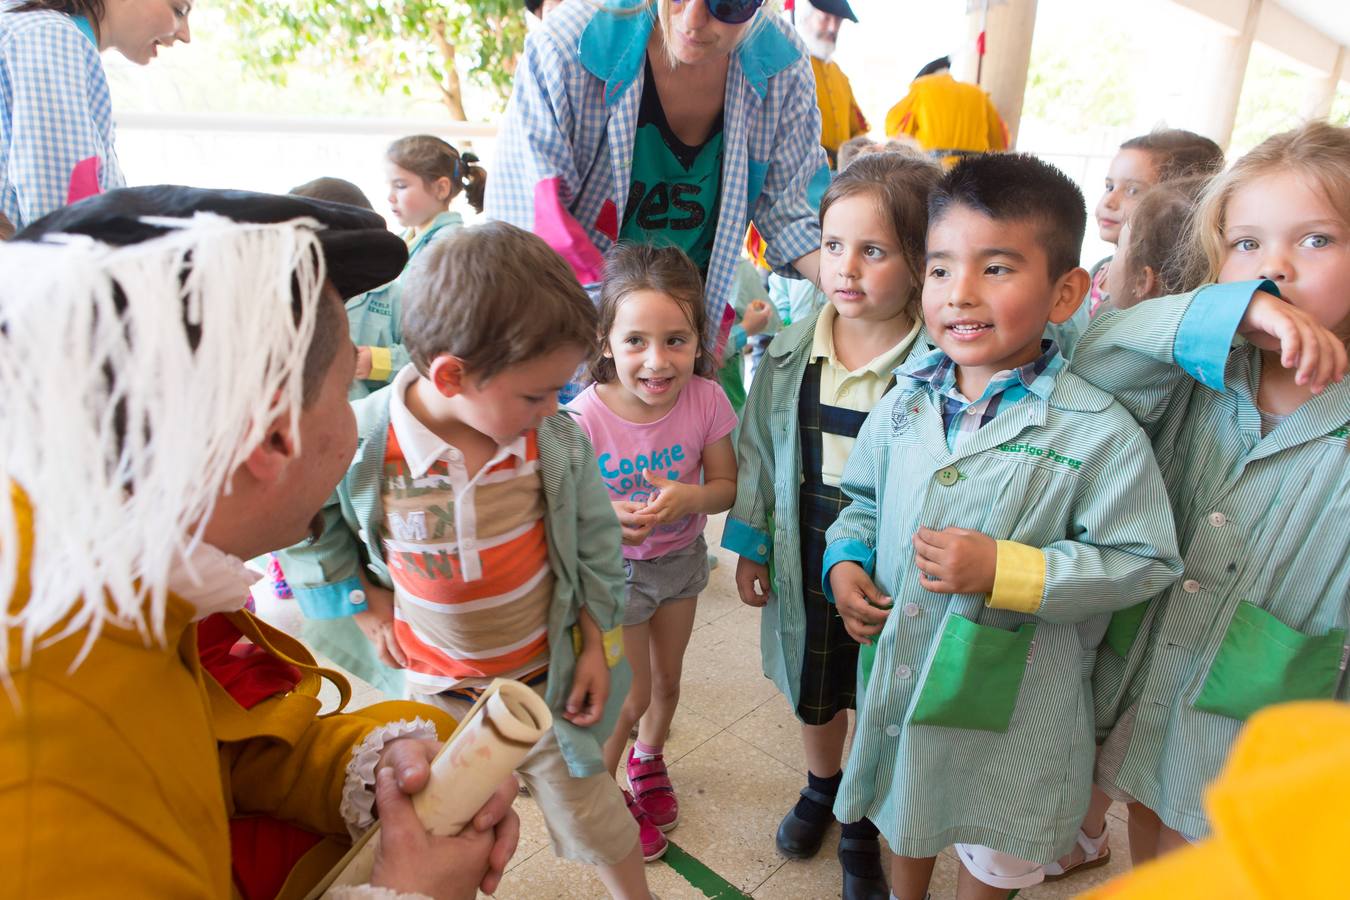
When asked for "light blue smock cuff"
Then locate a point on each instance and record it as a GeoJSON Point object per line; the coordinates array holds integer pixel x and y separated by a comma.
{"type": "Point", "coordinates": [1206, 333]}
{"type": "Point", "coordinates": [743, 540]}
{"type": "Point", "coordinates": [850, 550]}
{"type": "Point", "coordinates": [331, 601]}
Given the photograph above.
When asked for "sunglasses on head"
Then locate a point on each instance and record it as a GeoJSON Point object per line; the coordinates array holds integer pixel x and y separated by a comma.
{"type": "Point", "coordinates": [733, 12]}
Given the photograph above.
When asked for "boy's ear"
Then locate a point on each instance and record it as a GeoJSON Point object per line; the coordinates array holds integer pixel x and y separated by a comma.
{"type": "Point", "coordinates": [1070, 290]}
{"type": "Point", "coordinates": [267, 462]}
{"type": "Point", "coordinates": [447, 375]}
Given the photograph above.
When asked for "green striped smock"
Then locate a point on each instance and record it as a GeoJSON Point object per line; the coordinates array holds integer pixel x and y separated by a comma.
{"type": "Point", "coordinates": [1069, 474]}
{"type": "Point", "coordinates": [1261, 520]}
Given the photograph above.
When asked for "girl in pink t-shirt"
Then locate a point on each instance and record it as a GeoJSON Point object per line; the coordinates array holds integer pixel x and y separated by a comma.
{"type": "Point", "coordinates": [662, 436]}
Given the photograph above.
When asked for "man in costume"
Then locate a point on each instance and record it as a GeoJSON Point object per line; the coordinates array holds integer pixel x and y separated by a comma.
{"type": "Point", "coordinates": [173, 373]}
{"type": "Point", "coordinates": [949, 118]}
{"type": "Point", "coordinates": [818, 23]}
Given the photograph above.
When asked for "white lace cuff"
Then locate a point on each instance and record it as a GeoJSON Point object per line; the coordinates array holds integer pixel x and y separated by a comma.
{"type": "Point", "coordinates": [369, 892]}
{"type": "Point", "coordinates": [358, 792]}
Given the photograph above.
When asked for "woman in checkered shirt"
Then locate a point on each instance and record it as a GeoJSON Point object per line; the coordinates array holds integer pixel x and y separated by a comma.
{"type": "Point", "coordinates": [56, 129]}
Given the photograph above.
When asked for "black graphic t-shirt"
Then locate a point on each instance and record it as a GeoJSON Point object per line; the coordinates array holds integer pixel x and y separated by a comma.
{"type": "Point", "coordinates": [673, 198]}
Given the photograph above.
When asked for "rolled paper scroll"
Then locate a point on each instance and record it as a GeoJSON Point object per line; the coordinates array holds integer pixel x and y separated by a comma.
{"type": "Point", "coordinates": [489, 743]}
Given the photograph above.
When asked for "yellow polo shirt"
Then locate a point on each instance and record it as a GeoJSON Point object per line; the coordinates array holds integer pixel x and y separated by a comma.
{"type": "Point", "coordinates": [859, 389]}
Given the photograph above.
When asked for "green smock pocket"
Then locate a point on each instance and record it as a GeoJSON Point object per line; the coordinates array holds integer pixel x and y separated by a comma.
{"type": "Point", "coordinates": [1263, 661]}
{"type": "Point", "coordinates": [975, 676]}
{"type": "Point", "coordinates": [1123, 629]}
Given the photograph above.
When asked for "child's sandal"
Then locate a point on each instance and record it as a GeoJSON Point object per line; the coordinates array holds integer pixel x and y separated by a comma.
{"type": "Point", "coordinates": [650, 782]}
{"type": "Point", "coordinates": [1095, 853]}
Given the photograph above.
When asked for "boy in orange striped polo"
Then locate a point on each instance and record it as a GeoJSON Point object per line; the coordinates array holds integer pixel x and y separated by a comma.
{"type": "Point", "coordinates": [472, 537]}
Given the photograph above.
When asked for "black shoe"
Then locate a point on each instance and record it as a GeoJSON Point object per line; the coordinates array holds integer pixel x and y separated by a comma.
{"type": "Point", "coordinates": [863, 877]}
{"type": "Point", "coordinates": [799, 838]}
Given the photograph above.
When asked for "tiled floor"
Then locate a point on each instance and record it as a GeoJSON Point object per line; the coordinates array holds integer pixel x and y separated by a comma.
{"type": "Point", "coordinates": [736, 759]}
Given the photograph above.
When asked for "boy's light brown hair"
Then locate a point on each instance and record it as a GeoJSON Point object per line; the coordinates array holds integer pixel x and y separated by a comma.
{"type": "Point", "coordinates": [494, 296]}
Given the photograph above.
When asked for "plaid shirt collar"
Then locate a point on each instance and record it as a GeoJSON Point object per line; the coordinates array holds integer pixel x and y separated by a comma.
{"type": "Point", "coordinates": [937, 370]}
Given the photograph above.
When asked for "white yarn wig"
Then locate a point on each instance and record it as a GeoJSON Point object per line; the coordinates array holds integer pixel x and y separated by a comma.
{"type": "Point", "coordinates": [134, 381]}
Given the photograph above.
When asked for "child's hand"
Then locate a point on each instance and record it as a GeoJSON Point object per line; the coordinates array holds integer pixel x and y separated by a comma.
{"type": "Point", "coordinates": [376, 621]}
{"type": "Point", "coordinates": [675, 501]}
{"type": "Point", "coordinates": [634, 520]}
{"type": "Point", "coordinates": [363, 363]}
{"type": "Point", "coordinates": [955, 560]}
{"type": "Point", "coordinates": [752, 582]}
{"type": "Point", "coordinates": [756, 317]}
{"type": "Point", "coordinates": [590, 687]}
{"type": "Point", "coordinates": [1305, 345]}
{"type": "Point", "coordinates": [859, 601]}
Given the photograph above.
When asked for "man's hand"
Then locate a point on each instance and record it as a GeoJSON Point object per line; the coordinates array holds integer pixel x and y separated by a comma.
{"type": "Point", "coordinates": [590, 687]}
{"type": "Point", "coordinates": [1317, 355]}
{"type": "Point", "coordinates": [634, 522]}
{"type": "Point", "coordinates": [376, 622]}
{"type": "Point", "coordinates": [955, 560]}
{"type": "Point", "coordinates": [752, 582]}
{"type": "Point", "coordinates": [410, 859]}
{"type": "Point", "coordinates": [859, 601]}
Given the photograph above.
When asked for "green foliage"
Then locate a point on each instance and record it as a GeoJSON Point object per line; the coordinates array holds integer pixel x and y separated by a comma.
{"type": "Point", "coordinates": [1074, 78]}
{"type": "Point", "coordinates": [1272, 101]}
{"type": "Point", "coordinates": [417, 47]}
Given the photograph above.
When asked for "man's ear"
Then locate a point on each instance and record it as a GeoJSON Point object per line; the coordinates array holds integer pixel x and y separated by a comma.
{"type": "Point", "coordinates": [1070, 290]}
{"type": "Point", "coordinates": [268, 461]}
{"type": "Point", "coordinates": [447, 375]}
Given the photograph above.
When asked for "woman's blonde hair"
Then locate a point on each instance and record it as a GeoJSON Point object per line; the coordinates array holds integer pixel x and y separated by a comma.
{"type": "Point", "coordinates": [1317, 151]}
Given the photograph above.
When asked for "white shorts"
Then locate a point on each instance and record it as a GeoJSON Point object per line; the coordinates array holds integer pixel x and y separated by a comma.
{"type": "Point", "coordinates": [997, 869]}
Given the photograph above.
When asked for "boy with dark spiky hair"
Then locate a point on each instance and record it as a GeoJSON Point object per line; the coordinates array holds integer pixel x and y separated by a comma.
{"type": "Point", "coordinates": [1001, 509]}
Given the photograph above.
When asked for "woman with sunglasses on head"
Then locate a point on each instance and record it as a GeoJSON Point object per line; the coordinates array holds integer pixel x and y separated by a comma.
{"type": "Point", "coordinates": [665, 122]}
{"type": "Point", "coordinates": [56, 129]}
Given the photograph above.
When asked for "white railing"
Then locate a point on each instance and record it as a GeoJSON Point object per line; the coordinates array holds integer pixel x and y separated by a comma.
{"type": "Point", "coordinates": [276, 153]}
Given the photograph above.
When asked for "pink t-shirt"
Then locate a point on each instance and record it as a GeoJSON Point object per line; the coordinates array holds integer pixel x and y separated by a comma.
{"type": "Point", "coordinates": [672, 445]}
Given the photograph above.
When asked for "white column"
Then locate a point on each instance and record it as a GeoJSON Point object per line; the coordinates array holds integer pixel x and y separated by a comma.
{"type": "Point", "coordinates": [1322, 91]}
{"type": "Point", "coordinates": [1228, 69]}
{"type": "Point", "coordinates": [1008, 34]}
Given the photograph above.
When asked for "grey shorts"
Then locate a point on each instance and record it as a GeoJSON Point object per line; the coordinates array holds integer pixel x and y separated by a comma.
{"type": "Point", "coordinates": [674, 576]}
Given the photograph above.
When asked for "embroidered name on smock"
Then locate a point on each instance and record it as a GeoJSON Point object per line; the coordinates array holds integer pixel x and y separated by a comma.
{"type": "Point", "coordinates": [1041, 453]}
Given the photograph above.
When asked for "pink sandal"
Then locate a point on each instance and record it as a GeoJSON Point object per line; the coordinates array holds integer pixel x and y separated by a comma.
{"type": "Point", "coordinates": [651, 785]}
{"type": "Point", "coordinates": [653, 842]}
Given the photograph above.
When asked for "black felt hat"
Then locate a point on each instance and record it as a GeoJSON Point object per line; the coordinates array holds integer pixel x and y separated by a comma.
{"type": "Point", "coordinates": [360, 252]}
{"type": "Point", "coordinates": [838, 8]}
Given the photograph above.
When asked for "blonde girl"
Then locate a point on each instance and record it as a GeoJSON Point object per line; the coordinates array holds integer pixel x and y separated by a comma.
{"type": "Point", "coordinates": [1254, 442]}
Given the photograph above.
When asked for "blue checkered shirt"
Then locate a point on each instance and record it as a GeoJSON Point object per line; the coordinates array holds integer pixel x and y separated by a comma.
{"type": "Point", "coordinates": [55, 111]}
{"type": "Point", "coordinates": [564, 154]}
{"type": "Point", "coordinates": [961, 416]}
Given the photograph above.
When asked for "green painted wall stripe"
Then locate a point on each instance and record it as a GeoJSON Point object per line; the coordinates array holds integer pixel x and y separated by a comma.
{"type": "Point", "coordinates": [700, 876]}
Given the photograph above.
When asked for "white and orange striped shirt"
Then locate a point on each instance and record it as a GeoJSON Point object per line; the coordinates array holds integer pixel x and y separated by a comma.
{"type": "Point", "coordinates": [468, 557]}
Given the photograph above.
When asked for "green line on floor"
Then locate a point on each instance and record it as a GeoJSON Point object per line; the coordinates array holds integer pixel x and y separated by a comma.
{"type": "Point", "coordinates": [700, 876]}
